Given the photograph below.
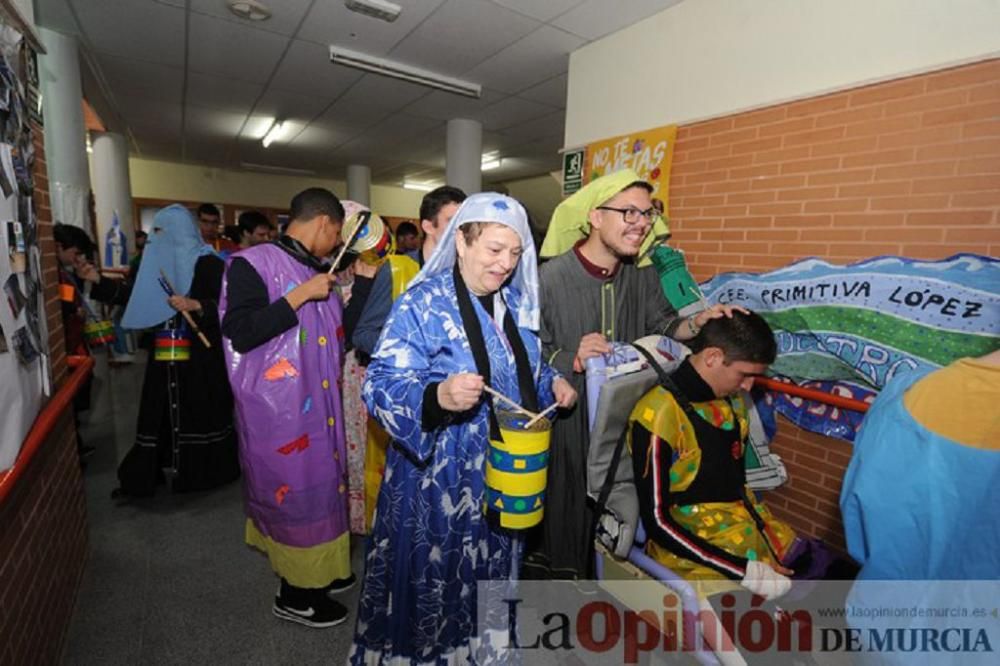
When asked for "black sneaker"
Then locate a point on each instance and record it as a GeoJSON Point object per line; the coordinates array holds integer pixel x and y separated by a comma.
{"type": "Point", "coordinates": [341, 585]}
{"type": "Point", "coordinates": [309, 607]}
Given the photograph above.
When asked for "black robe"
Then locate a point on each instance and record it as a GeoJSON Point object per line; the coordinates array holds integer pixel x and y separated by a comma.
{"type": "Point", "coordinates": [185, 423]}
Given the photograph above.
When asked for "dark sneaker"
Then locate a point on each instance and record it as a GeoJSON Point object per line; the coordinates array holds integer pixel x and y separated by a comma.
{"type": "Point", "coordinates": [341, 585]}
{"type": "Point", "coordinates": [310, 607]}
{"type": "Point", "coordinates": [320, 614]}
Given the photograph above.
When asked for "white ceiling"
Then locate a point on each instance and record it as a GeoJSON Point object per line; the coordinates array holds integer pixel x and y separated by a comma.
{"type": "Point", "coordinates": [189, 81]}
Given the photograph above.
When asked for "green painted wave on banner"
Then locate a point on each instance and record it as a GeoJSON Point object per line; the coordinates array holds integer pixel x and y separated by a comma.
{"type": "Point", "coordinates": [806, 366]}
{"type": "Point", "coordinates": [935, 345]}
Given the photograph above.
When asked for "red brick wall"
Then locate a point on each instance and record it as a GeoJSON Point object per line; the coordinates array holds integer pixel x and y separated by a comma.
{"type": "Point", "coordinates": [910, 167]}
{"type": "Point", "coordinates": [43, 522]}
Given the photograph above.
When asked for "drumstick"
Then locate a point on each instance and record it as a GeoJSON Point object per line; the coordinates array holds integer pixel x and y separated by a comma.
{"type": "Point", "coordinates": [540, 414]}
{"type": "Point", "coordinates": [501, 396]}
{"type": "Point", "coordinates": [169, 288]}
{"type": "Point", "coordinates": [362, 220]}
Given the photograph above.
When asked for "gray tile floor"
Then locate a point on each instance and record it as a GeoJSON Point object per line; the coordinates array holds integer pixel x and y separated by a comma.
{"type": "Point", "coordinates": [169, 580]}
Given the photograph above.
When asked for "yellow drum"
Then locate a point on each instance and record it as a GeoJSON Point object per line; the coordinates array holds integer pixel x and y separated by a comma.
{"type": "Point", "coordinates": [172, 344]}
{"type": "Point", "coordinates": [373, 241]}
{"type": "Point", "coordinates": [516, 470]}
{"type": "Point", "coordinates": [98, 332]}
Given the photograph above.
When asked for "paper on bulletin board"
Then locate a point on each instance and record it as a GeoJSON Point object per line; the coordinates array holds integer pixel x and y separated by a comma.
{"type": "Point", "coordinates": [649, 153]}
{"type": "Point", "coordinates": [23, 352]}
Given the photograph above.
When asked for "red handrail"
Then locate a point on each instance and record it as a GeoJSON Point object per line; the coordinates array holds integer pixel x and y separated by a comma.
{"type": "Point", "coordinates": [811, 394]}
{"type": "Point", "coordinates": [46, 420]}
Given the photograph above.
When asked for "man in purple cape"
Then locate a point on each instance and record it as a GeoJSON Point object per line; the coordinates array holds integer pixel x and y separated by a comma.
{"type": "Point", "coordinates": [283, 351]}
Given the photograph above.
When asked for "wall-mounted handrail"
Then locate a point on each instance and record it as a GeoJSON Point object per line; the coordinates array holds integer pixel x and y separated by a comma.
{"type": "Point", "coordinates": [811, 394]}
{"type": "Point", "coordinates": [46, 420]}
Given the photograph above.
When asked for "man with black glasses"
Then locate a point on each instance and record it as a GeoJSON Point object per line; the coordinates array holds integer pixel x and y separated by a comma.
{"type": "Point", "coordinates": [593, 292]}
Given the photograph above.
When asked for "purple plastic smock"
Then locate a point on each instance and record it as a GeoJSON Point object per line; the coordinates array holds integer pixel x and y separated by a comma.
{"type": "Point", "coordinates": [289, 414]}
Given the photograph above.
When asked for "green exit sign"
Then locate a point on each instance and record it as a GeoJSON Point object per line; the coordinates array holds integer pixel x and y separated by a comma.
{"type": "Point", "coordinates": [572, 171]}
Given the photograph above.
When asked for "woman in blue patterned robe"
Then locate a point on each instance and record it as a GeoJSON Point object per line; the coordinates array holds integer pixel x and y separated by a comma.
{"type": "Point", "coordinates": [451, 333]}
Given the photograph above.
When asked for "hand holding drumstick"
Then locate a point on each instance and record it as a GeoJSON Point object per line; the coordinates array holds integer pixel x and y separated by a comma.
{"type": "Point", "coordinates": [182, 304]}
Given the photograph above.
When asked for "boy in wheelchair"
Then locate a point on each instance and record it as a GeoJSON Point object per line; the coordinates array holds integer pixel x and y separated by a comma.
{"type": "Point", "coordinates": [687, 442]}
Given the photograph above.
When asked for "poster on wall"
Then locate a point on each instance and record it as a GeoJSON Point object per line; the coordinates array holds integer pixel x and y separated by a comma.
{"type": "Point", "coordinates": [650, 153]}
{"type": "Point", "coordinates": [24, 363]}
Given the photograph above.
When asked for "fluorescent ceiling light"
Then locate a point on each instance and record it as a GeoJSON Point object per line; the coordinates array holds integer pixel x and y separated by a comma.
{"type": "Point", "coordinates": [398, 70]}
{"type": "Point", "coordinates": [380, 9]}
{"type": "Point", "coordinates": [490, 164]}
{"type": "Point", "coordinates": [250, 10]}
{"type": "Point", "coordinates": [268, 168]}
{"type": "Point", "coordinates": [277, 129]}
{"type": "Point", "coordinates": [420, 187]}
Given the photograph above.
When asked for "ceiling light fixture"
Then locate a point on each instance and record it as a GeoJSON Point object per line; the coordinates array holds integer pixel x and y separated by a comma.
{"type": "Point", "coordinates": [251, 10]}
{"type": "Point", "coordinates": [380, 9]}
{"type": "Point", "coordinates": [268, 168]}
{"type": "Point", "coordinates": [398, 70]}
{"type": "Point", "coordinates": [491, 161]}
{"type": "Point", "coordinates": [277, 129]}
{"type": "Point", "coordinates": [420, 187]}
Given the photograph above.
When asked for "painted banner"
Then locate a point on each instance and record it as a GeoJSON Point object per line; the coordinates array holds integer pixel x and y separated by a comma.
{"type": "Point", "coordinates": [851, 329]}
{"type": "Point", "coordinates": [650, 153]}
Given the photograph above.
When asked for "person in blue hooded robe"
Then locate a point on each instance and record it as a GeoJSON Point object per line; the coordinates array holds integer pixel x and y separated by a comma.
{"type": "Point", "coordinates": [464, 324]}
{"type": "Point", "coordinates": [184, 431]}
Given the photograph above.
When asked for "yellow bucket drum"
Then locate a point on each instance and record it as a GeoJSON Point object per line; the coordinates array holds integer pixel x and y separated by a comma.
{"type": "Point", "coordinates": [373, 242]}
{"type": "Point", "coordinates": [516, 470]}
{"type": "Point", "coordinates": [98, 332]}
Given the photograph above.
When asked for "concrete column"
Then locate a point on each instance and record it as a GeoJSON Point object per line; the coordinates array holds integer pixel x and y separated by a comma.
{"type": "Point", "coordinates": [65, 136]}
{"type": "Point", "coordinates": [359, 184]}
{"type": "Point", "coordinates": [464, 155]}
{"type": "Point", "coordinates": [113, 199]}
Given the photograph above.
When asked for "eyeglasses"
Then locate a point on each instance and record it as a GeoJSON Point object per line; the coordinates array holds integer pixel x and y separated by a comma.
{"type": "Point", "coordinates": [633, 215]}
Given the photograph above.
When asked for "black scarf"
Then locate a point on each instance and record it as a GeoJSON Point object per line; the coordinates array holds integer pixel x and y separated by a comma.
{"type": "Point", "coordinates": [525, 380]}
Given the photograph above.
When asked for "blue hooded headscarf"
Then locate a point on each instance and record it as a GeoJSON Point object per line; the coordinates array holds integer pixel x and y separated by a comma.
{"type": "Point", "coordinates": [174, 247]}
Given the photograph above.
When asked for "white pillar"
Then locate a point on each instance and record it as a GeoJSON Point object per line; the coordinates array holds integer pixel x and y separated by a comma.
{"type": "Point", "coordinates": [65, 136]}
{"type": "Point", "coordinates": [359, 184]}
{"type": "Point", "coordinates": [112, 198]}
{"type": "Point", "coordinates": [464, 155]}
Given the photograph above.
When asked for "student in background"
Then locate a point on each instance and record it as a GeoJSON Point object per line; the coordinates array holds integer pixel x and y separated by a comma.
{"type": "Point", "coordinates": [210, 224]}
{"type": "Point", "coordinates": [407, 238]}
{"type": "Point", "coordinates": [254, 228]}
{"type": "Point", "coordinates": [436, 210]}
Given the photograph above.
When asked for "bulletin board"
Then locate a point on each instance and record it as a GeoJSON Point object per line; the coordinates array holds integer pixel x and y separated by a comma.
{"type": "Point", "coordinates": [24, 362]}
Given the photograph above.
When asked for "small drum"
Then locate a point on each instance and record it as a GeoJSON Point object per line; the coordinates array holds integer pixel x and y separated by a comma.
{"type": "Point", "coordinates": [516, 470]}
{"type": "Point", "coordinates": [98, 332]}
{"type": "Point", "coordinates": [373, 242]}
{"type": "Point", "coordinates": [172, 344]}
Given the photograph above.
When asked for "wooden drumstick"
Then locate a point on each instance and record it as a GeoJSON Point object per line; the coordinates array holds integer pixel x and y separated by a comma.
{"type": "Point", "coordinates": [184, 313]}
{"type": "Point", "coordinates": [540, 414]}
{"type": "Point", "coordinates": [501, 396]}
{"type": "Point", "coordinates": [362, 220]}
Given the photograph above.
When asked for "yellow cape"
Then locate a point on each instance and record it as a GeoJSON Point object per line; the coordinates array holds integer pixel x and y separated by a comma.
{"type": "Point", "coordinates": [570, 220]}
